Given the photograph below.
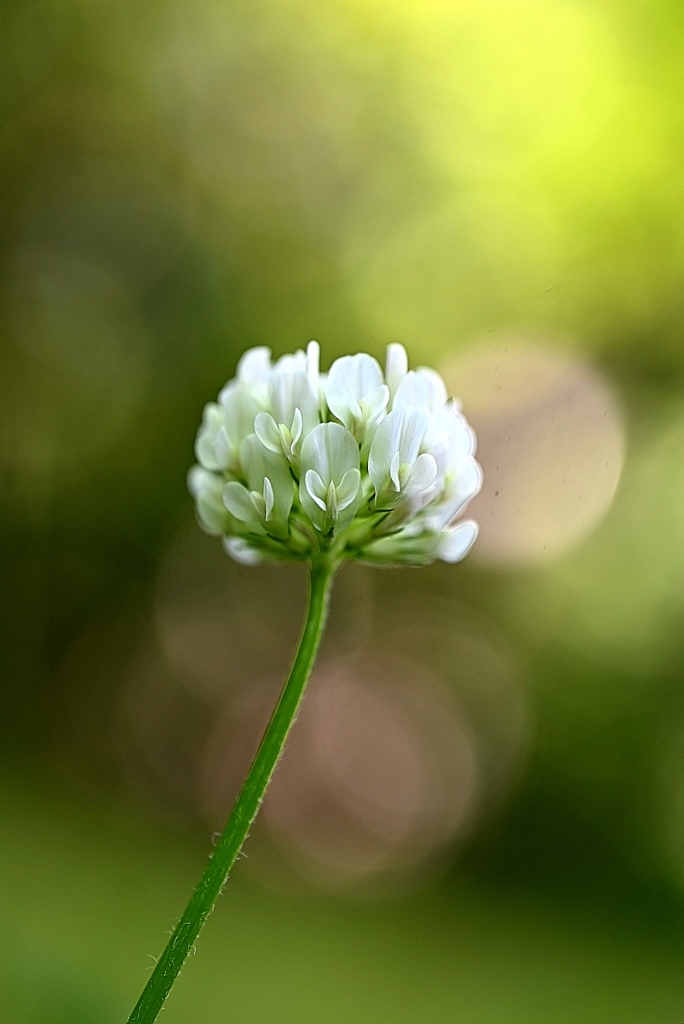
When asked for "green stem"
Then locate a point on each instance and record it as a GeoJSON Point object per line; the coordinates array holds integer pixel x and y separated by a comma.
{"type": "Point", "coordinates": [245, 808]}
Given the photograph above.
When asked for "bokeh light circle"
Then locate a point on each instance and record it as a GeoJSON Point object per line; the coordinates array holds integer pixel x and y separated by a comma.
{"type": "Point", "coordinates": [551, 440]}
{"type": "Point", "coordinates": [380, 777]}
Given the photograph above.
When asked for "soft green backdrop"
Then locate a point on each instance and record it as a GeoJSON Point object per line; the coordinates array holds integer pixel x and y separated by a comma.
{"type": "Point", "coordinates": [498, 185]}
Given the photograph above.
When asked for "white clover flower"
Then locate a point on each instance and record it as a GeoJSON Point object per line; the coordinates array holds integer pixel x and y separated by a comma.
{"type": "Point", "coordinates": [296, 464]}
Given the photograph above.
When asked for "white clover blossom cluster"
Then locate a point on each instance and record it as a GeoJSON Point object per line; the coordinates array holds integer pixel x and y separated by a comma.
{"type": "Point", "coordinates": [295, 463]}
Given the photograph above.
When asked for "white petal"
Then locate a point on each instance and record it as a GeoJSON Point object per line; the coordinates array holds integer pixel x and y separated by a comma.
{"type": "Point", "coordinates": [395, 466]}
{"type": "Point", "coordinates": [238, 501]}
{"type": "Point", "coordinates": [254, 366]}
{"type": "Point", "coordinates": [332, 505]}
{"type": "Point", "coordinates": [316, 488]}
{"type": "Point", "coordinates": [240, 407]}
{"type": "Point", "coordinates": [296, 428]}
{"type": "Point", "coordinates": [292, 362]}
{"type": "Point", "coordinates": [348, 488]}
{"type": "Point", "coordinates": [211, 515]}
{"type": "Point", "coordinates": [451, 431]}
{"type": "Point", "coordinates": [259, 463]}
{"type": "Point", "coordinates": [423, 475]}
{"type": "Point", "coordinates": [269, 499]}
{"type": "Point", "coordinates": [290, 391]}
{"type": "Point", "coordinates": [421, 388]}
{"type": "Point", "coordinates": [459, 490]}
{"type": "Point", "coordinates": [401, 432]}
{"type": "Point", "coordinates": [469, 479]}
{"type": "Point", "coordinates": [322, 404]}
{"type": "Point", "coordinates": [313, 360]}
{"type": "Point", "coordinates": [384, 448]}
{"type": "Point", "coordinates": [206, 488]}
{"type": "Point", "coordinates": [266, 429]}
{"type": "Point", "coordinates": [199, 480]}
{"type": "Point", "coordinates": [331, 450]}
{"type": "Point", "coordinates": [454, 544]}
{"type": "Point", "coordinates": [350, 379]}
{"type": "Point", "coordinates": [413, 427]}
{"type": "Point", "coordinates": [355, 407]}
{"type": "Point", "coordinates": [205, 449]}
{"type": "Point", "coordinates": [328, 453]}
{"type": "Point", "coordinates": [396, 366]}
{"type": "Point", "coordinates": [222, 447]}
{"type": "Point", "coordinates": [242, 552]}
{"type": "Point", "coordinates": [377, 402]}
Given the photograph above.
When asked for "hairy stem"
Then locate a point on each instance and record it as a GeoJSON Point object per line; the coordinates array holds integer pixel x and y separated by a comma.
{"type": "Point", "coordinates": [245, 808]}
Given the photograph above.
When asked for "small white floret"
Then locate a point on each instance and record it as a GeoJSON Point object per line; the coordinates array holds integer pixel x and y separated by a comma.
{"type": "Point", "coordinates": [242, 552]}
{"type": "Point", "coordinates": [455, 542]}
{"type": "Point", "coordinates": [356, 392]}
{"type": "Point", "coordinates": [396, 444]}
{"type": "Point", "coordinates": [330, 488]}
{"type": "Point", "coordinates": [254, 366]}
{"type": "Point", "coordinates": [422, 388]}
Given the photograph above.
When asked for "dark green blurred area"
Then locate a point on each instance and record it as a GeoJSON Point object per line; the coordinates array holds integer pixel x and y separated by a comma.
{"type": "Point", "coordinates": [482, 814]}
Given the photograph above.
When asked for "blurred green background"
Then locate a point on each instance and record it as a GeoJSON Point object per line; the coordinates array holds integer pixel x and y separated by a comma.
{"type": "Point", "coordinates": [481, 814]}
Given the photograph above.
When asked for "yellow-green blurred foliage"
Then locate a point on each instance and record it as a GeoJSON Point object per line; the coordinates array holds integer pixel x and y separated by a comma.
{"type": "Point", "coordinates": [481, 814]}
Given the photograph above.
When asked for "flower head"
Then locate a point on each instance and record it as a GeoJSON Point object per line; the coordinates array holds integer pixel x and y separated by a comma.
{"type": "Point", "coordinates": [355, 463]}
